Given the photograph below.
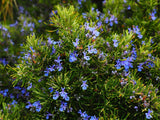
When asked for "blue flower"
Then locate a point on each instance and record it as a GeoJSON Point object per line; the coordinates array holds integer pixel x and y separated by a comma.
{"type": "Point", "coordinates": [148, 115]}
{"type": "Point", "coordinates": [3, 61]}
{"type": "Point", "coordinates": [8, 35]}
{"type": "Point", "coordinates": [66, 98]}
{"type": "Point", "coordinates": [140, 67]}
{"type": "Point", "coordinates": [96, 33]}
{"type": "Point", "coordinates": [92, 8]}
{"type": "Point", "coordinates": [21, 9]}
{"type": "Point", "coordinates": [91, 29]}
{"type": "Point", "coordinates": [93, 118]}
{"type": "Point", "coordinates": [63, 106]}
{"type": "Point", "coordinates": [129, 30]}
{"type": "Point", "coordinates": [29, 87]}
{"type": "Point", "coordinates": [72, 57]}
{"type": "Point", "coordinates": [56, 95]}
{"type": "Point", "coordinates": [140, 36]}
{"type": "Point", "coordinates": [83, 115]}
{"type": "Point", "coordinates": [69, 110]}
{"type": "Point", "coordinates": [84, 15]}
{"type": "Point", "coordinates": [113, 19]}
{"type": "Point", "coordinates": [14, 102]}
{"type": "Point", "coordinates": [27, 94]}
{"type": "Point", "coordinates": [129, 7]}
{"type": "Point", "coordinates": [4, 92]}
{"type": "Point", "coordinates": [136, 30]}
{"type": "Point", "coordinates": [11, 96]}
{"type": "Point", "coordinates": [150, 64]}
{"type": "Point", "coordinates": [51, 89]}
{"type": "Point", "coordinates": [106, 20]}
{"type": "Point", "coordinates": [53, 50]}
{"type": "Point", "coordinates": [22, 30]}
{"type": "Point", "coordinates": [135, 107]}
{"type": "Point", "coordinates": [5, 29]}
{"type": "Point", "coordinates": [84, 85]}
{"type": "Point", "coordinates": [39, 21]}
{"type": "Point", "coordinates": [104, 2]}
{"type": "Point", "coordinates": [76, 43]}
{"type": "Point", "coordinates": [85, 56]}
{"type": "Point", "coordinates": [64, 94]}
{"type": "Point", "coordinates": [49, 40]}
{"type": "Point", "coordinates": [111, 23]}
{"type": "Point", "coordinates": [47, 115]}
{"type": "Point", "coordinates": [153, 15]}
{"type": "Point", "coordinates": [17, 87]}
{"type": "Point", "coordinates": [59, 67]}
{"type": "Point", "coordinates": [152, 41]}
{"type": "Point", "coordinates": [134, 53]}
{"type": "Point", "coordinates": [29, 105]}
{"type": "Point", "coordinates": [99, 24]}
{"type": "Point", "coordinates": [86, 26]}
{"type": "Point", "coordinates": [51, 68]}
{"type": "Point", "coordinates": [101, 56]}
{"type": "Point", "coordinates": [92, 50]}
{"type": "Point", "coordinates": [79, 2]}
{"type": "Point", "coordinates": [127, 63]}
{"type": "Point", "coordinates": [58, 60]}
{"type": "Point", "coordinates": [134, 82]}
{"type": "Point", "coordinates": [118, 65]}
{"type": "Point", "coordinates": [98, 12]}
{"type": "Point", "coordinates": [37, 105]}
{"type": "Point", "coordinates": [115, 43]}
{"type": "Point", "coordinates": [46, 72]}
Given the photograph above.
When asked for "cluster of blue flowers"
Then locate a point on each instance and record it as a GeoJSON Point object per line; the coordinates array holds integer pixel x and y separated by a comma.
{"type": "Point", "coordinates": [111, 20]}
{"type": "Point", "coordinates": [85, 116]}
{"type": "Point", "coordinates": [35, 105]}
{"type": "Point", "coordinates": [63, 94]}
{"type": "Point", "coordinates": [5, 32]}
{"type": "Point", "coordinates": [53, 67]}
{"type": "Point", "coordinates": [92, 50]}
{"type": "Point", "coordinates": [93, 33]}
{"type": "Point", "coordinates": [4, 92]}
{"type": "Point", "coordinates": [17, 93]}
{"type": "Point", "coordinates": [20, 92]}
{"type": "Point", "coordinates": [136, 30]}
{"type": "Point", "coordinates": [148, 63]}
{"type": "Point", "coordinates": [127, 62]}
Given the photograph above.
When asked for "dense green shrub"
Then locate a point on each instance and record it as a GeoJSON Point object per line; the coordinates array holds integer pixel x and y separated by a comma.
{"type": "Point", "coordinates": [88, 64]}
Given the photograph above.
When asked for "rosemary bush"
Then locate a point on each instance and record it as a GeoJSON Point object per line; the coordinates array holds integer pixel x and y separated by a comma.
{"type": "Point", "coordinates": [88, 64]}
